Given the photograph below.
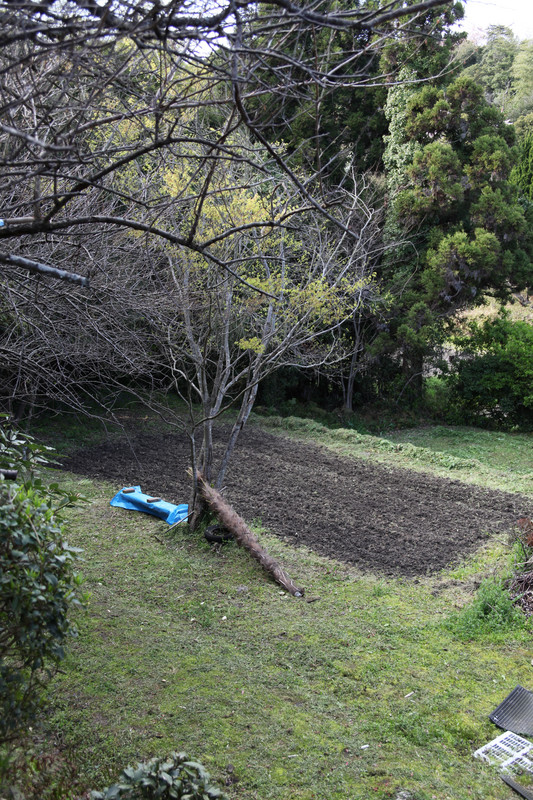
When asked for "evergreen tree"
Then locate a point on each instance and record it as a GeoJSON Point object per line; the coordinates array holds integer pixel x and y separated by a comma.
{"type": "Point", "coordinates": [503, 67]}
{"type": "Point", "coordinates": [523, 126]}
{"type": "Point", "coordinates": [495, 69]}
{"type": "Point", "coordinates": [522, 174]}
{"type": "Point", "coordinates": [334, 133]}
{"type": "Point", "coordinates": [431, 53]}
{"type": "Point", "coordinates": [453, 200]}
{"type": "Point", "coordinates": [324, 132]}
{"type": "Point", "coordinates": [522, 75]}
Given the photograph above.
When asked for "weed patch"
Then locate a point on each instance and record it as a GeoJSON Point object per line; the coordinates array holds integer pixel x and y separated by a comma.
{"type": "Point", "coordinates": [492, 615]}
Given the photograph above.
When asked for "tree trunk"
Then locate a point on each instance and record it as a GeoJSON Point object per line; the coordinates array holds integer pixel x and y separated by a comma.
{"type": "Point", "coordinates": [197, 507]}
{"type": "Point", "coordinates": [242, 418]}
{"type": "Point", "coordinates": [413, 371]}
{"type": "Point", "coordinates": [354, 363]}
{"type": "Point", "coordinates": [244, 536]}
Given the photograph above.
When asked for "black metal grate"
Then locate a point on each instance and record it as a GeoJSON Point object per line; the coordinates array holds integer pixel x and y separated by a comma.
{"type": "Point", "coordinates": [515, 713]}
{"type": "Point", "coordinates": [522, 790]}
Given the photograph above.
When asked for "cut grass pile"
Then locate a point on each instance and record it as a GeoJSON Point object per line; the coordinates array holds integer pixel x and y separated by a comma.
{"type": "Point", "coordinates": [363, 689]}
{"type": "Point", "coordinates": [499, 451]}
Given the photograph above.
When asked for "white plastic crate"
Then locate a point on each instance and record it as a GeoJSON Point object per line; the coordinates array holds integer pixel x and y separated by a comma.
{"type": "Point", "coordinates": [508, 751]}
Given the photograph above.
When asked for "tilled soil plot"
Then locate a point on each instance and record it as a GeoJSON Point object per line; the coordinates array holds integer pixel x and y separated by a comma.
{"type": "Point", "coordinates": [382, 519]}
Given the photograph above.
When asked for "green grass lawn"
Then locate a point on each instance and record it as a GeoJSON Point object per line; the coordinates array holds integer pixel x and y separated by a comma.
{"type": "Point", "coordinates": [360, 690]}
{"type": "Point", "coordinates": [506, 452]}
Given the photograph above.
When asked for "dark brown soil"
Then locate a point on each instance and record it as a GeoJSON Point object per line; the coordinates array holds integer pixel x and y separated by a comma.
{"type": "Point", "coordinates": [382, 519]}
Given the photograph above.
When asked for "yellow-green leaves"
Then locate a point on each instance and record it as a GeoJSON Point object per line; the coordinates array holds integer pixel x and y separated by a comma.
{"type": "Point", "coordinates": [253, 344]}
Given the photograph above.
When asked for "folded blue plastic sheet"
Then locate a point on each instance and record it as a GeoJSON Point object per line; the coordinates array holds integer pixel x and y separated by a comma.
{"type": "Point", "coordinates": [132, 497]}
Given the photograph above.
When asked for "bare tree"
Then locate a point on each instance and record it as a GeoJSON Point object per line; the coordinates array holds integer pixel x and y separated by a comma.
{"type": "Point", "coordinates": [135, 158]}
{"type": "Point", "coordinates": [161, 318]}
{"type": "Point", "coordinates": [70, 78]}
{"type": "Point", "coordinates": [300, 283]}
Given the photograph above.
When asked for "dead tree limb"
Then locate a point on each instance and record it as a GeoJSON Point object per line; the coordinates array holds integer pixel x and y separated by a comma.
{"type": "Point", "coordinates": [9, 474]}
{"type": "Point", "coordinates": [244, 536]}
{"type": "Point", "coordinates": [42, 269]}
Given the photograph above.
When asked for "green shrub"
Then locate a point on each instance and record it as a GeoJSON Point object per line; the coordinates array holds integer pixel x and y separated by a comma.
{"type": "Point", "coordinates": [495, 380]}
{"type": "Point", "coordinates": [169, 778]}
{"type": "Point", "coordinates": [38, 582]}
{"type": "Point", "coordinates": [437, 396]}
{"type": "Point", "coordinates": [492, 614]}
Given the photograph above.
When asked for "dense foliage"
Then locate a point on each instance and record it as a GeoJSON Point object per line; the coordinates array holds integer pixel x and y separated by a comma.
{"type": "Point", "coordinates": [502, 67]}
{"type": "Point", "coordinates": [38, 583]}
{"type": "Point", "coordinates": [449, 156]}
{"type": "Point", "coordinates": [493, 380]}
{"type": "Point", "coordinates": [522, 174]}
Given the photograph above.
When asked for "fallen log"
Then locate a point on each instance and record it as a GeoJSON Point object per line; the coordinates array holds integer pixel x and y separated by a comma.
{"type": "Point", "coordinates": [244, 536]}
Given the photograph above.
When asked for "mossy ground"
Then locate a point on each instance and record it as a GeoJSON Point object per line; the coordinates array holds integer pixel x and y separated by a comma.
{"type": "Point", "coordinates": [356, 691]}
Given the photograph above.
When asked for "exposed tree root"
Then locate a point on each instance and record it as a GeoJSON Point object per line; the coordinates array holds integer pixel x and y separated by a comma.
{"type": "Point", "coordinates": [244, 536]}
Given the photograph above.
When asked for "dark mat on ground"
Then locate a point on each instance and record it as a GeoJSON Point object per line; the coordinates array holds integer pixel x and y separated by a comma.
{"type": "Point", "coordinates": [523, 791]}
{"type": "Point", "coordinates": [380, 518]}
{"type": "Point", "coordinates": [516, 712]}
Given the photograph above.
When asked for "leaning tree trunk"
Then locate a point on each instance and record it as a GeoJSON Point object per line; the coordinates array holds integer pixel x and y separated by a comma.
{"type": "Point", "coordinates": [244, 536]}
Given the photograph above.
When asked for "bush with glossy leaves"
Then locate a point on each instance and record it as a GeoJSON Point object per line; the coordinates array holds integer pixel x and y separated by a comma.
{"type": "Point", "coordinates": [38, 581]}
{"type": "Point", "coordinates": [172, 778]}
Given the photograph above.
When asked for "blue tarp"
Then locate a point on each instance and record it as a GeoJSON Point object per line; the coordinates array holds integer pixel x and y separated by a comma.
{"type": "Point", "coordinates": [136, 500]}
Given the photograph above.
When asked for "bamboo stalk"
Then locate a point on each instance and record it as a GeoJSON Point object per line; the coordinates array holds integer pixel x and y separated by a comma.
{"type": "Point", "coordinates": [244, 536]}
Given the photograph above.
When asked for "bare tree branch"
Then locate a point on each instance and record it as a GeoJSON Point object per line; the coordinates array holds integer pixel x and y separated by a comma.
{"type": "Point", "coordinates": [42, 269]}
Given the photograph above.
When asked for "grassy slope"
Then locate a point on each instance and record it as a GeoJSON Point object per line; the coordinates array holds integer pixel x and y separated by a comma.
{"type": "Point", "coordinates": [362, 693]}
